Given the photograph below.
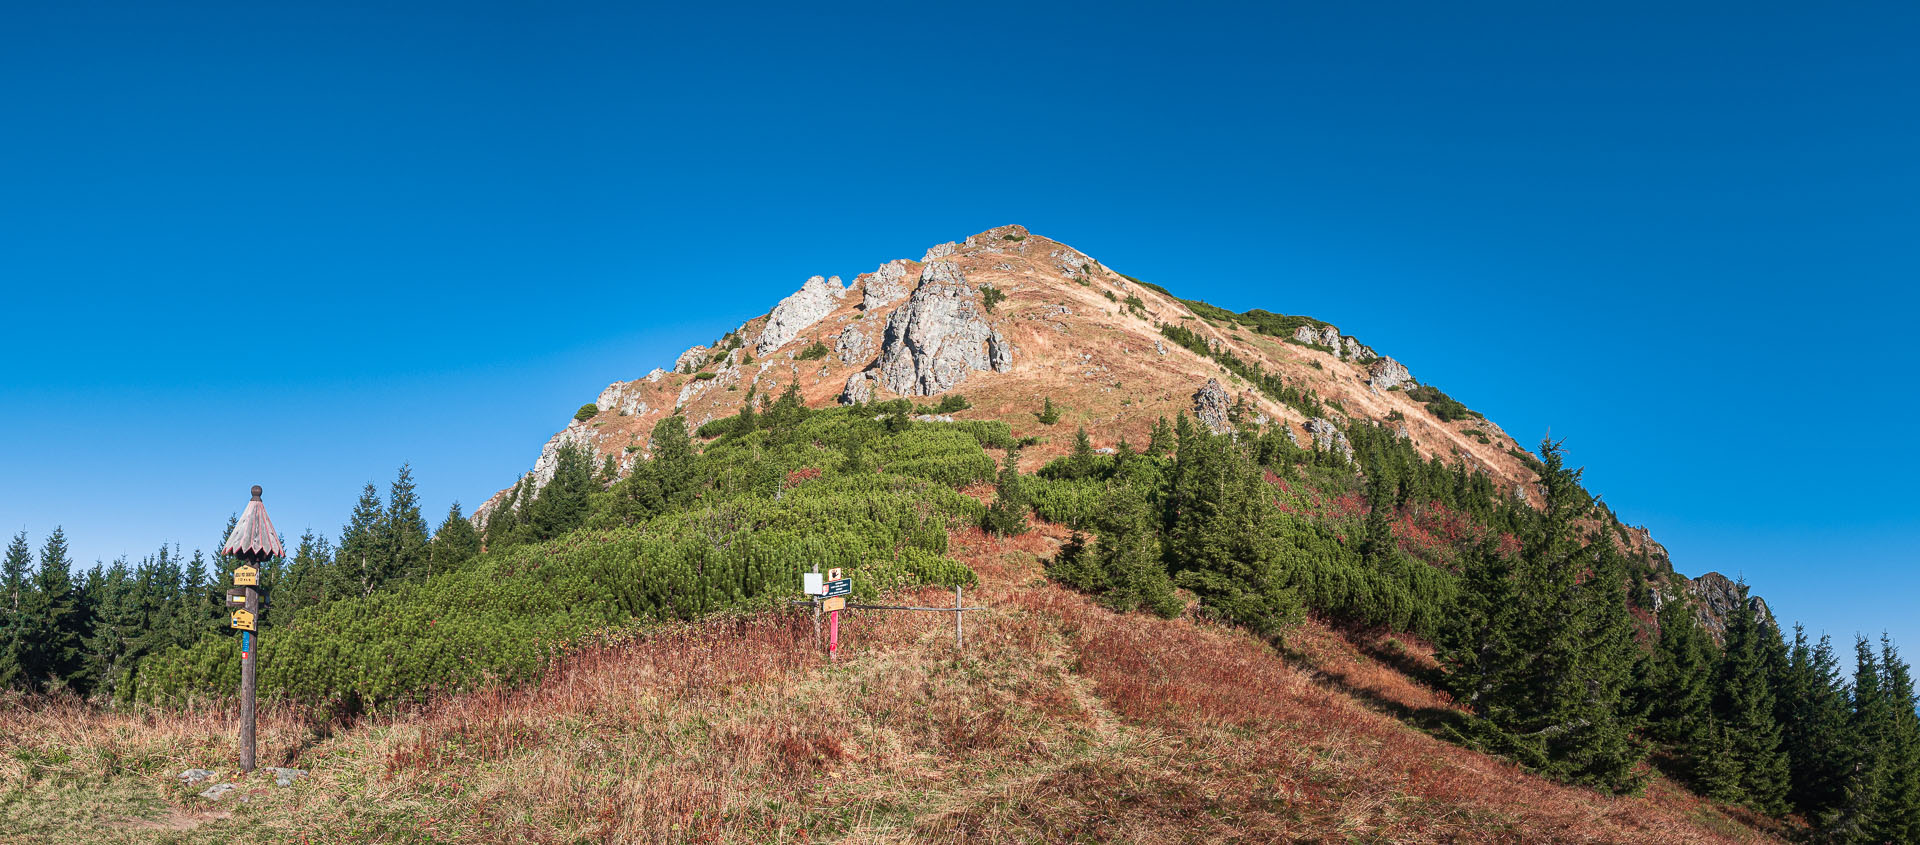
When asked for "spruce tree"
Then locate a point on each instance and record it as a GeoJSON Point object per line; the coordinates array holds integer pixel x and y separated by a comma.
{"type": "Point", "coordinates": [561, 505]}
{"type": "Point", "coordinates": [362, 561]}
{"type": "Point", "coordinates": [1160, 443]}
{"type": "Point", "coordinates": [1081, 464]}
{"type": "Point", "coordinates": [1744, 704]}
{"type": "Point", "coordinates": [16, 587]}
{"type": "Point", "coordinates": [1542, 655]}
{"type": "Point", "coordinates": [1897, 815]}
{"type": "Point", "coordinates": [1007, 516]}
{"type": "Point", "coordinates": [1674, 693]}
{"type": "Point", "coordinates": [1048, 414]}
{"type": "Point", "coordinates": [1219, 538]}
{"type": "Point", "coordinates": [455, 542]}
{"type": "Point", "coordinates": [53, 625]}
{"type": "Point", "coordinates": [502, 528]}
{"type": "Point", "coordinates": [1811, 706]}
{"type": "Point", "coordinates": [403, 531]}
{"type": "Point", "coordinates": [1855, 818]}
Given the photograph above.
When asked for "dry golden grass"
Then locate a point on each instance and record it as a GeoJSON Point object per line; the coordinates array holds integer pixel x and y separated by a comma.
{"type": "Point", "coordinates": [1061, 722]}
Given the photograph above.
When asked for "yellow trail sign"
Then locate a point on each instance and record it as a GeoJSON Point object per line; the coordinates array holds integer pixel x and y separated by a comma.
{"type": "Point", "coordinates": [243, 620]}
{"type": "Point", "coordinates": [246, 576]}
{"type": "Point", "coordinates": [835, 603]}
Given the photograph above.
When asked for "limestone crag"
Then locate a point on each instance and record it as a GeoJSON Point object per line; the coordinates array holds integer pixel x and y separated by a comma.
{"type": "Point", "coordinates": [578, 433]}
{"type": "Point", "coordinates": [722, 380]}
{"type": "Point", "coordinates": [854, 346]}
{"type": "Point", "coordinates": [1212, 406]}
{"type": "Point", "coordinates": [623, 398]}
{"type": "Point", "coordinates": [814, 300]}
{"type": "Point", "coordinates": [1328, 437]}
{"type": "Point", "coordinates": [1715, 597]}
{"type": "Point", "coordinates": [938, 251]}
{"type": "Point", "coordinates": [691, 360]}
{"type": "Point", "coordinates": [885, 286]}
{"type": "Point", "coordinates": [1354, 350]}
{"type": "Point", "coordinates": [1386, 374]}
{"type": "Point", "coordinates": [940, 335]}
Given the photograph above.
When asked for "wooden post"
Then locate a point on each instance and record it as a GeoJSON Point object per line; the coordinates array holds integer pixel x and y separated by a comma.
{"type": "Point", "coordinates": [249, 681]}
{"type": "Point", "coordinates": [959, 637]}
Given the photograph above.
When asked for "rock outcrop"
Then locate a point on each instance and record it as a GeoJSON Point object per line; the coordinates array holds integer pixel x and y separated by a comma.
{"type": "Point", "coordinates": [1354, 350]}
{"type": "Point", "coordinates": [940, 335]}
{"type": "Point", "coordinates": [1328, 437]}
{"type": "Point", "coordinates": [1386, 374]}
{"type": "Point", "coordinates": [691, 360]}
{"type": "Point", "coordinates": [1212, 406]}
{"type": "Point", "coordinates": [814, 300]}
{"type": "Point", "coordinates": [885, 286]}
{"type": "Point", "coordinates": [1715, 597]}
{"type": "Point", "coordinates": [622, 398]}
{"type": "Point", "coordinates": [859, 389]}
{"type": "Point", "coordinates": [577, 433]}
{"type": "Point", "coordinates": [854, 346]}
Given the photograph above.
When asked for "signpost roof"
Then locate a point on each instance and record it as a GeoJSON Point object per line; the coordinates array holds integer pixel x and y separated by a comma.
{"type": "Point", "coordinates": [253, 538]}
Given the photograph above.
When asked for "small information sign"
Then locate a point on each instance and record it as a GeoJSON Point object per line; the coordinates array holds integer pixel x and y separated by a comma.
{"type": "Point", "coordinates": [242, 620]}
{"type": "Point", "coordinates": [812, 584]}
{"type": "Point", "coordinates": [236, 596]}
{"type": "Point", "coordinates": [246, 576]}
{"type": "Point", "coordinates": [841, 587]}
{"type": "Point", "coordinates": [833, 604]}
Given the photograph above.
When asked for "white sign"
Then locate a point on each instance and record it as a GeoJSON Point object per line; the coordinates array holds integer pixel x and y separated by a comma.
{"type": "Point", "coordinates": [813, 583]}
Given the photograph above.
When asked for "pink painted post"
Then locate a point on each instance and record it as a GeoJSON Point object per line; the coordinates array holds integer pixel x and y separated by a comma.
{"type": "Point", "coordinates": [833, 634]}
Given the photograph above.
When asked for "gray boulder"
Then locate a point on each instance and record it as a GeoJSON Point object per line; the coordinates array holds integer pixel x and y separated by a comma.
{"type": "Point", "coordinates": [940, 335]}
{"type": "Point", "coordinates": [859, 389]}
{"type": "Point", "coordinates": [1386, 374]}
{"type": "Point", "coordinates": [1211, 405]}
{"type": "Point", "coordinates": [194, 776]}
{"type": "Point", "coordinates": [806, 306]}
{"type": "Point", "coordinates": [217, 791]}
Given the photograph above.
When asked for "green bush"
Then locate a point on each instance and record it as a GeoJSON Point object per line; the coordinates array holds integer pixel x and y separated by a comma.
{"type": "Point", "coordinates": [814, 352]}
{"type": "Point", "coordinates": [586, 412]}
{"type": "Point", "coordinates": [991, 296]}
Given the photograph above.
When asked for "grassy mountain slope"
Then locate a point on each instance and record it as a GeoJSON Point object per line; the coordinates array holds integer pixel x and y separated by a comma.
{"type": "Point", "coordinates": [1062, 721]}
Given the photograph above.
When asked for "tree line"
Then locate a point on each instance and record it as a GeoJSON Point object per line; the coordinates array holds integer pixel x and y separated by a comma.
{"type": "Point", "coordinates": [87, 632]}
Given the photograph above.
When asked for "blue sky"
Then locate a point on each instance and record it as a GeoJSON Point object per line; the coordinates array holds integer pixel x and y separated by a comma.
{"type": "Point", "coordinates": [299, 246]}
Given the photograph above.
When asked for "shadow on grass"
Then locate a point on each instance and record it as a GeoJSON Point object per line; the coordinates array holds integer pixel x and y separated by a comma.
{"type": "Point", "coordinates": [1440, 722]}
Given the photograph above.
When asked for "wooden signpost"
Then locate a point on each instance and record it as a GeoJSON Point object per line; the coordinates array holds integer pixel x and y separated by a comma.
{"type": "Point", "coordinates": [253, 540]}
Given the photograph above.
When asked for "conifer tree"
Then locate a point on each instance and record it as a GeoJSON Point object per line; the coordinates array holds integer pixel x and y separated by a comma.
{"type": "Point", "coordinates": [1160, 443]}
{"type": "Point", "coordinates": [16, 587]}
{"type": "Point", "coordinates": [403, 531]}
{"type": "Point", "coordinates": [561, 505]}
{"type": "Point", "coordinates": [361, 562]}
{"type": "Point", "coordinates": [1081, 463]}
{"type": "Point", "coordinates": [53, 625]}
{"type": "Point", "coordinates": [1543, 656]}
{"type": "Point", "coordinates": [1897, 816]}
{"type": "Point", "coordinates": [1219, 537]}
{"type": "Point", "coordinates": [1007, 515]}
{"type": "Point", "coordinates": [1812, 709]}
{"type": "Point", "coordinates": [502, 528]}
{"type": "Point", "coordinates": [308, 577]}
{"type": "Point", "coordinates": [455, 542]}
{"type": "Point", "coordinates": [1744, 704]}
{"type": "Point", "coordinates": [1048, 414]}
{"type": "Point", "coordinates": [1673, 692]}
{"type": "Point", "coordinates": [1856, 817]}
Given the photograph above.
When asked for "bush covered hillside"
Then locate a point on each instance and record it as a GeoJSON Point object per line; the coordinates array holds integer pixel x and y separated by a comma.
{"type": "Point", "coordinates": [691, 534]}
